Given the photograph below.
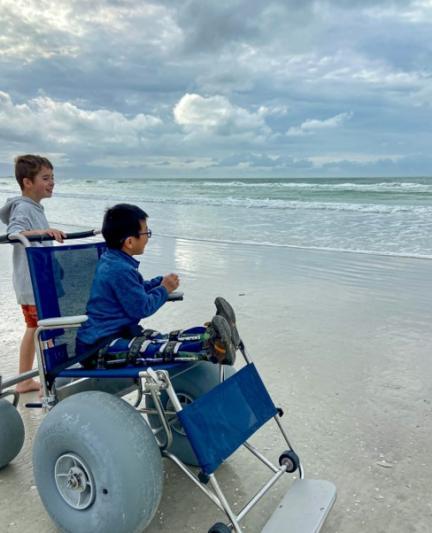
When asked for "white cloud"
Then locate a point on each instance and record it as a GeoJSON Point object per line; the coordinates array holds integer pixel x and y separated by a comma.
{"type": "Point", "coordinates": [153, 162]}
{"type": "Point", "coordinates": [311, 126]}
{"type": "Point", "coordinates": [45, 121]}
{"type": "Point", "coordinates": [372, 72]}
{"type": "Point", "coordinates": [216, 114]}
{"type": "Point", "coordinates": [48, 28]}
{"type": "Point", "coordinates": [416, 12]}
{"type": "Point", "coordinates": [356, 158]}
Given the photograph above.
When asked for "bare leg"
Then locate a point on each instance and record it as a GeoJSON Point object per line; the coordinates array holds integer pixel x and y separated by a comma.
{"type": "Point", "coordinates": [27, 354]}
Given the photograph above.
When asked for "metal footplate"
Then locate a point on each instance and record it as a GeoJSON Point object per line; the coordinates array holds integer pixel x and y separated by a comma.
{"type": "Point", "coordinates": [304, 507]}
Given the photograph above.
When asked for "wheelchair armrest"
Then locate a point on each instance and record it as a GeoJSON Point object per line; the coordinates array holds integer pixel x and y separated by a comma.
{"type": "Point", "coordinates": [175, 296]}
{"type": "Point", "coordinates": [62, 321]}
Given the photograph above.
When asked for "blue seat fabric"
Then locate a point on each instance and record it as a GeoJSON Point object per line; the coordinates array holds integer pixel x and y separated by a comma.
{"type": "Point", "coordinates": [61, 278]}
{"type": "Point", "coordinates": [220, 421]}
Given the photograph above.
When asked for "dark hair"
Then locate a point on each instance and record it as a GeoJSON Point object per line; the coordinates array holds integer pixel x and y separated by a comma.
{"type": "Point", "coordinates": [27, 166]}
{"type": "Point", "coordinates": [120, 222]}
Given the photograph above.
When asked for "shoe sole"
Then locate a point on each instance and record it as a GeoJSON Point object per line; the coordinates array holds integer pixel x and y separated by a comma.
{"type": "Point", "coordinates": [224, 309]}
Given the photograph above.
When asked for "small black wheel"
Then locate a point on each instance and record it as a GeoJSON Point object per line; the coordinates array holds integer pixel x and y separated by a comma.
{"type": "Point", "coordinates": [291, 460]}
{"type": "Point", "coordinates": [219, 527]}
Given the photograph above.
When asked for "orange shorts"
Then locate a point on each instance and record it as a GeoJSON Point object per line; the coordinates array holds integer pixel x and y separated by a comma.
{"type": "Point", "coordinates": [30, 315]}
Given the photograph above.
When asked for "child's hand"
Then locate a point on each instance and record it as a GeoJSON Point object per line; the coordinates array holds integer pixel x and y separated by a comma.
{"type": "Point", "coordinates": [57, 234]}
{"type": "Point", "coordinates": [170, 282]}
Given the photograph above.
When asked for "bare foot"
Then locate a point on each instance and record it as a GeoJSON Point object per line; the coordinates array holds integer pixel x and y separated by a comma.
{"type": "Point", "coordinates": [29, 385]}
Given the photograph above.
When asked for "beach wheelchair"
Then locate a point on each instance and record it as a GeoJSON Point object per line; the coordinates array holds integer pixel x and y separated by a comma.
{"type": "Point", "coordinates": [97, 458]}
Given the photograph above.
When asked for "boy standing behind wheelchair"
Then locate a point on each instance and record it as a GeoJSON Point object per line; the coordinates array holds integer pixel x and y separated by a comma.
{"type": "Point", "coordinates": [24, 214]}
{"type": "Point", "coordinates": [120, 298]}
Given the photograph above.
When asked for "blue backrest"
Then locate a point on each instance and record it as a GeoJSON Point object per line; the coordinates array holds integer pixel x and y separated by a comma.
{"type": "Point", "coordinates": [62, 277]}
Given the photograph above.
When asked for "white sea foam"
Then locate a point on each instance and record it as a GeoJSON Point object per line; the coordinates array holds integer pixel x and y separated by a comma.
{"type": "Point", "coordinates": [270, 203]}
{"type": "Point", "coordinates": [248, 203]}
{"type": "Point", "coordinates": [397, 187]}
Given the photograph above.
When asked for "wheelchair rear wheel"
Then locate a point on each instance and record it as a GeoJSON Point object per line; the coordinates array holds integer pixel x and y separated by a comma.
{"type": "Point", "coordinates": [97, 465]}
{"type": "Point", "coordinates": [189, 385]}
{"type": "Point", "coordinates": [11, 432]}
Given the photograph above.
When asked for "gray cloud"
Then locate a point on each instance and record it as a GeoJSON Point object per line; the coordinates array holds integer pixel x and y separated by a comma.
{"type": "Point", "coordinates": [275, 87]}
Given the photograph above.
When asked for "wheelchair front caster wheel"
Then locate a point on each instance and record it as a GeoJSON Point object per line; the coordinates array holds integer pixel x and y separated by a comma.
{"type": "Point", "coordinates": [219, 527]}
{"type": "Point", "coordinates": [291, 460]}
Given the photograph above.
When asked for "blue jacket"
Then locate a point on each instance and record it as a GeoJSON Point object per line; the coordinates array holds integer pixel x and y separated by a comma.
{"type": "Point", "coordinates": [119, 297]}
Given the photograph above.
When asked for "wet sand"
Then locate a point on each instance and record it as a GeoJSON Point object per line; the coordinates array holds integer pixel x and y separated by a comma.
{"type": "Point", "coordinates": [343, 344]}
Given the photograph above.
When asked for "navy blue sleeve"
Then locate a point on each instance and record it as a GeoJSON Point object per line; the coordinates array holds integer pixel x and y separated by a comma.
{"type": "Point", "coordinates": [152, 283]}
{"type": "Point", "coordinates": [136, 301]}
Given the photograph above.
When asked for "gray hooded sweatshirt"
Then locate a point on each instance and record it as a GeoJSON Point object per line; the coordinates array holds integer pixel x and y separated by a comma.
{"type": "Point", "coordinates": [23, 214]}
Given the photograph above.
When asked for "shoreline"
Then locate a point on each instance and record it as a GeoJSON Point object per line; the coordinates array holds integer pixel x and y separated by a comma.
{"type": "Point", "coordinates": [401, 255]}
{"type": "Point", "coordinates": [299, 247]}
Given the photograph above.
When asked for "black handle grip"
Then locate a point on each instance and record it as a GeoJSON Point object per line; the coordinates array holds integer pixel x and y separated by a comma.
{"type": "Point", "coordinates": [40, 238]}
{"type": "Point", "coordinates": [175, 296]}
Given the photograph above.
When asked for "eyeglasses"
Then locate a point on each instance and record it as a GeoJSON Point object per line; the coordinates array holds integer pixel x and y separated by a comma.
{"type": "Point", "coordinates": [148, 233]}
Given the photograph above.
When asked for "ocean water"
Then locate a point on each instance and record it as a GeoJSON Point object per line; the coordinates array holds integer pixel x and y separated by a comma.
{"type": "Point", "coordinates": [391, 216]}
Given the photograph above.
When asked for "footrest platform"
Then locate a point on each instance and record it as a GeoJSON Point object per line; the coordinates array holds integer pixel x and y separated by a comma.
{"type": "Point", "coordinates": [304, 507]}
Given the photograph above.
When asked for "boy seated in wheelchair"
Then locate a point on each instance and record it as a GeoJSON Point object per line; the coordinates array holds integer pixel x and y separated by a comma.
{"type": "Point", "coordinates": [120, 298]}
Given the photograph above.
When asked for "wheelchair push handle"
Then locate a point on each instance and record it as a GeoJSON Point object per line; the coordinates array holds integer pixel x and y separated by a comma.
{"type": "Point", "coordinates": [175, 296]}
{"type": "Point", "coordinates": [39, 238]}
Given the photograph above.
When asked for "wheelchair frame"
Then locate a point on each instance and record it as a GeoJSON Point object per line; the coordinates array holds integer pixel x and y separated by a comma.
{"type": "Point", "coordinates": [151, 382]}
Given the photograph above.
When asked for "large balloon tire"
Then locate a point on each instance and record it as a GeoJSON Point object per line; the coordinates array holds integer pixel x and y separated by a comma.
{"type": "Point", "coordinates": [112, 447]}
{"type": "Point", "coordinates": [11, 432]}
{"type": "Point", "coordinates": [189, 384]}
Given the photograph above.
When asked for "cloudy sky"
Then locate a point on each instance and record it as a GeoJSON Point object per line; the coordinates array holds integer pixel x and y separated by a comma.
{"type": "Point", "coordinates": [228, 88]}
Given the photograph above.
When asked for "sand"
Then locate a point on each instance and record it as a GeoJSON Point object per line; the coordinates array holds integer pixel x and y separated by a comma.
{"type": "Point", "coordinates": [343, 344]}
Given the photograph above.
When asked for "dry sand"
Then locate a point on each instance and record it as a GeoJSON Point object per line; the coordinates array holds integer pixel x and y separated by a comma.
{"type": "Point", "coordinates": [343, 344]}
